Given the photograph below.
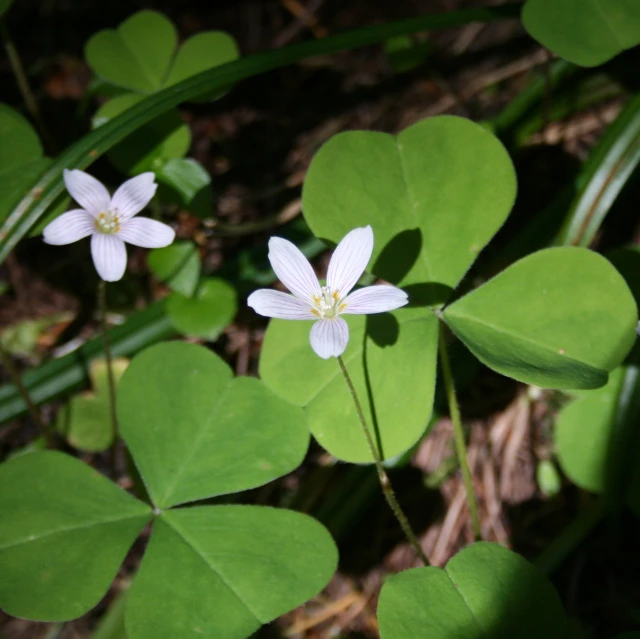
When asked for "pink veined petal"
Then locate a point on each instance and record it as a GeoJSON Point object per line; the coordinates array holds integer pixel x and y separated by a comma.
{"type": "Point", "coordinates": [272, 303]}
{"type": "Point", "coordinates": [329, 337]}
{"type": "Point", "coordinates": [375, 299]}
{"type": "Point", "coordinates": [88, 192]}
{"type": "Point", "coordinates": [142, 231]}
{"type": "Point", "coordinates": [69, 227]}
{"type": "Point", "coordinates": [132, 196]}
{"type": "Point", "coordinates": [293, 269]}
{"type": "Point", "coordinates": [109, 256]}
{"type": "Point", "coordinates": [349, 260]}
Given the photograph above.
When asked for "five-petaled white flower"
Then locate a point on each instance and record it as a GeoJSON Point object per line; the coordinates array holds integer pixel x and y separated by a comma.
{"type": "Point", "coordinates": [311, 301]}
{"type": "Point", "coordinates": [109, 220]}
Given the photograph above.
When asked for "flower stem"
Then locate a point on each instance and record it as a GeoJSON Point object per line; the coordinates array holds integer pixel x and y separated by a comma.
{"type": "Point", "coordinates": [45, 433]}
{"type": "Point", "coordinates": [458, 436]}
{"type": "Point", "coordinates": [383, 478]}
{"type": "Point", "coordinates": [23, 85]}
{"type": "Point", "coordinates": [102, 303]}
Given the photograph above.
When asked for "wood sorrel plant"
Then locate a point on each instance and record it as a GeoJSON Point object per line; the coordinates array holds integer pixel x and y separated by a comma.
{"type": "Point", "coordinates": [434, 196]}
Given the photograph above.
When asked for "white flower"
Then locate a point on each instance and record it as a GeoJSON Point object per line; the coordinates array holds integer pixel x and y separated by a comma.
{"type": "Point", "coordinates": [311, 301]}
{"type": "Point", "coordinates": [109, 220]}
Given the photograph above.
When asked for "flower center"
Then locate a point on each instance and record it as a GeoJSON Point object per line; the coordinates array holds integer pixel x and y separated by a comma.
{"type": "Point", "coordinates": [108, 222]}
{"type": "Point", "coordinates": [327, 304]}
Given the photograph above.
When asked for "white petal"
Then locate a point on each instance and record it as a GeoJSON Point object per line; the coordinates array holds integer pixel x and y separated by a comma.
{"type": "Point", "coordinates": [329, 337]}
{"type": "Point", "coordinates": [134, 195]}
{"type": "Point", "coordinates": [349, 260]}
{"type": "Point", "coordinates": [69, 227]}
{"type": "Point", "coordinates": [109, 256]}
{"type": "Point", "coordinates": [88, 192]}
{"type": "Point", "coordinates": [375, 299]}
{"type": "Point", "coordinates": [272, 303]}
{"type": "Point", "coordinates": [293, 268]}
{"type": "Point", "coordinates": [147, 233]}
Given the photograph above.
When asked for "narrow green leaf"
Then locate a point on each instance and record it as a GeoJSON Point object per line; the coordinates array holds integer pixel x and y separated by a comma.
{"type": "Point", "coordinates": [206, 314]}
{"type": "Point", "coordinates": [137, 54]}
{"type": "Point", "coordinates": [178, 265]}
{"type": "Point", "coordinates": [4, 6]}
{"type": "Point", "coordinates": [484, 592]}
{"type": "Point", "coordinates": [586, 32]}
{"type": "Point", "coordinates": [152, 145]}
{"type": "Point", "coordinates": [393, 369]}
{"type": "Point", "coordinates": [223, 571]}
{"type": "Point", "coordinates": [70, 372]}
{"type": "Point", "coordinates": [194, 431]}
{"type": "Point", "coordinates": [609, 168]}
{"type": "Point", "coordinates": [64, 532]}
{"type": "Point", "coordinates": [434, 195]}
{"type": "Point", "coordinates": [81, 154]}
{"type": "Point", "coordinates": [559, 318]}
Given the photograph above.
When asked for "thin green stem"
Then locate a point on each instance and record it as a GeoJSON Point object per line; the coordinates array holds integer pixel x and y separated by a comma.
{"type": "Point", "coordinates": [102, 304]}
{"type": "Point", "coordinates": [24, 393]}
{"type": "Point", "coordinates": [23, 85]}
{"type": "Point", "coordinates": [383, 478]}
{"type": "Point", "coordinates": [458, 436]}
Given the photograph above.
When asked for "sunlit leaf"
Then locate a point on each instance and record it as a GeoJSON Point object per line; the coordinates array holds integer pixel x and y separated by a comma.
{"type": "Point", "coordinates": [434, 195]}
{"type": "Point", "coordinates": [64, 532]}
{"type": "Point", "coordinates": [559, 318]}
{"type": "Point", "coordinates": [223, 571]}
{"type": "Point", "coordinates": [393, 367]}
{"type": "Point", "coordinates": [178, 265]}
{"type": "Point", "coordinates": [194, 431]}
{"type": "Point", "coordinates": [484, 592]}
{"type": "Point", "coordinates": [205, 314]}
{"type": "Point", "coordinates": [137, 54]}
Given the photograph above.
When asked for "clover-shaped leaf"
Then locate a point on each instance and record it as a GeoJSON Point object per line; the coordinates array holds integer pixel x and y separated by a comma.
{"type": "Point", "coordinates": [393, 366]}
{"type": "Point", "coordinates": [434, 195]}
{"type": "Point", "coordinates": [207, 312]}
{"type": "Point", "coordinates": [178, 265]}
{"type": "Point", "coordinates": [254, 564]}
{"type": "Point", "coordinates": [559, 318]}
{"type": "Point", "coordinates": [137, 54]}
{"type": "Point", "coordinates": [64, 532]}
{"type": "Point", "coordinates": [85, 421]}
{"type": "Point", "coordinates": [586, 32]}
{"type": "Point", "coordinates": [595, 438]}
{"type": "Point", "coordinates": [221, 571]}
{"type": "Point", "coordinates": [185, 182]}
{"type": "Point", "coordinates": [484, 592]}
{"type": "Point", "coordinates": [140, 54]}
{"type": "Point", "coordinates": [194, 431]}
{"type": "Point", "coordinates": [21, 158]}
